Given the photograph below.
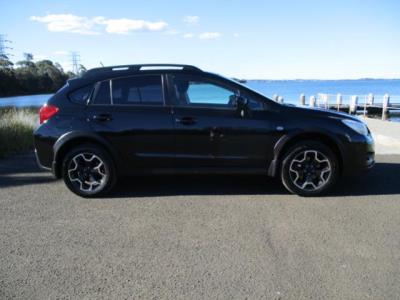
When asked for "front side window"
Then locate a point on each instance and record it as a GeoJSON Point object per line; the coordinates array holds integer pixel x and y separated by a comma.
{"type": "Point", "coordinates": [142, 90]}
{"type": "Point", "coordinates": [195, 91]}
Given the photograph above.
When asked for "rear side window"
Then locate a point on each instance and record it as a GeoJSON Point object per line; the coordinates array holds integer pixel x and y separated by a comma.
{"type": "Point", "coordinates": [143, 90]}
{"type": "Point", "coordinates": [102, 94]}
{"type": "Point", "coordinates": [81, 95]}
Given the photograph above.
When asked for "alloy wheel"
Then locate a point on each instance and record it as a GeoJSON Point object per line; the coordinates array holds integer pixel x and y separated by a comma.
{"type": "Point", "coordinates": [88, 172]}
{"type": "Point", "coordinates": [310, 170]}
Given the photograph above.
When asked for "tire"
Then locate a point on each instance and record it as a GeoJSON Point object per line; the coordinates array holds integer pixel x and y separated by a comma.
{"type": "Point", "coordinates": [309, 168]}
{"type": "Point", "coordinates": [89, 171]}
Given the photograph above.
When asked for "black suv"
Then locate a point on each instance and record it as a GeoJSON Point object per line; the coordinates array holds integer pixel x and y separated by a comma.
{"type": "Point", "coordinates": [161, 119]}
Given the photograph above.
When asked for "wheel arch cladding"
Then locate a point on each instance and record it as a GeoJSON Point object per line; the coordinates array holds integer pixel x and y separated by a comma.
{"type": "Point", "coordinates": [286, 142]}
{"type": "Point", "coordinates": [72, 139]}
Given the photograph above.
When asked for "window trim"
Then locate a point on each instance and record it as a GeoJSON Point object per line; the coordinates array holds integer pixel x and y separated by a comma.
{"type": "Point", "coordinates": [111, 93]}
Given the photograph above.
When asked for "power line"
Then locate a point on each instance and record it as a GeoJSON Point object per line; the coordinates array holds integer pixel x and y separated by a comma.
{"type": "Point", "coordinates": [75, 62]}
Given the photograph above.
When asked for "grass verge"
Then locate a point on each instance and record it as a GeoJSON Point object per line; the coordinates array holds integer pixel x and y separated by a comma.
{"type": "Point", "coordinates": [16, 129]}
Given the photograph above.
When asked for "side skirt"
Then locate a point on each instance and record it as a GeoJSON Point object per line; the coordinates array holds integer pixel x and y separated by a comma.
{"type": "Point", "coordinates": [194, 171]}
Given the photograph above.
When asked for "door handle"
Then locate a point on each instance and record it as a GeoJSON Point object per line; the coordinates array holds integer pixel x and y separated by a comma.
{"type": "Point", "coordinates": [214, 133]}
{"type": "Point", "coordinates": [186, 120]}
{"type": "Point", "coordinates": [102, 117]}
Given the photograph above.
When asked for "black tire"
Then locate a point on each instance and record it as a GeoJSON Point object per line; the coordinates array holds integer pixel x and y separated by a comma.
{"type": "Point", "coordinates": [311, 176]}
{"type": "Point", "coordinates": [94, 166]}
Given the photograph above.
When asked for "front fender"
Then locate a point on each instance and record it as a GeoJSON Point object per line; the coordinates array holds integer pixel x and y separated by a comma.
{"type": "Point", "coordinates": [293, 137]}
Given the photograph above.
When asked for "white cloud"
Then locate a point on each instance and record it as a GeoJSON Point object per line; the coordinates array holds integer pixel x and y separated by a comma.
{"type": "Point", "coordinates": [209, 35]}
{"type": "Point", "coordinates": [84, 25]}
{"type": "Point", "coordinates": [188, 35]}
{"type": "Point", "coordinates": [191, 19]}
{"type": "Point", "coordinates": [172, 32]}
{"type": "Point", "coordinates": [124, 26]}
{"type": "Point", "coordinates": [61, 52]}
{"type": "Point", "coordinates": [67, 23]}
{"type": "Point", "coordinates": [236, 35]}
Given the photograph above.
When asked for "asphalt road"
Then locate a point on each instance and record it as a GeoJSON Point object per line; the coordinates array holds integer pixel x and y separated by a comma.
{"type": "Point", "coordinates": [214, 237]}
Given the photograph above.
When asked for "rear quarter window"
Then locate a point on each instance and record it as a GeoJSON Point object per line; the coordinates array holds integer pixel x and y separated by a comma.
{"type": "Point", "coordinates": [81, 95]}
{"type": "Point", "coordinates": [102, 95]}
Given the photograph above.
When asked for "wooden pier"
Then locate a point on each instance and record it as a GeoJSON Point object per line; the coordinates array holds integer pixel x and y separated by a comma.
{"type": "Point", "coordinates": [367, 106]}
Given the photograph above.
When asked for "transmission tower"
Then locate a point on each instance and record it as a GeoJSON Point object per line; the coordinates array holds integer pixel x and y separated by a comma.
{"type": "Point", "coordinates": [4, 54]}
{"type": "Point", "coordinates": [75, 62]}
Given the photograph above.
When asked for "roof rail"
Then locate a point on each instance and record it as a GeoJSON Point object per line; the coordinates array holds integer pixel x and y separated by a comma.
{"type": "Point", "coordinates": [137, 68]}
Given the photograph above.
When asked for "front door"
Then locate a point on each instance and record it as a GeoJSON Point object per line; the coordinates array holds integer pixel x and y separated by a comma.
{"type": "Point", "coordinates": [209, 131]}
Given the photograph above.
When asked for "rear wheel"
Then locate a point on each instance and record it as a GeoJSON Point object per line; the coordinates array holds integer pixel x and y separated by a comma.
{"type": "Point", "coordinates": [89, 171]}
{"type": "Point", "coordinates": [309, 168]}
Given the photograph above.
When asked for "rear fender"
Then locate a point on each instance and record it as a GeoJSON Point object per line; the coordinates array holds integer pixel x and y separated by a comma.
{"type": "Point", "coordinates": [74, 138]}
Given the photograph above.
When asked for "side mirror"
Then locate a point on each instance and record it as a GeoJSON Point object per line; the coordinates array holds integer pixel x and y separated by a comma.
{"type": "Point", "coordinates": [241, 105]}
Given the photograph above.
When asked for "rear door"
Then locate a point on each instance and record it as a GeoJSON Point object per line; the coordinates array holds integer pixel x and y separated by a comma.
{"type": "Point", "coordinates": [130, 113]}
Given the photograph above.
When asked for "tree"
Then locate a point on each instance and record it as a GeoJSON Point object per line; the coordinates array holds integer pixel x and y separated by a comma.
{"type": "Point", "coordinates": [46, 68]}
{"type": "Point", "coordinates": [5, 63]}
{"type": "Point", "coordinates": [32, 78]}
{"type": "Point", "coordinates": [27, 62]}
{"type": "Point", "coordinates": [8, 82]}
{"type": "Point", "coordinates": [82, 70]}
{"type": "Point", "coordinates": [28, 56]}
{"type": "Point", "coordinates": [59, 67]}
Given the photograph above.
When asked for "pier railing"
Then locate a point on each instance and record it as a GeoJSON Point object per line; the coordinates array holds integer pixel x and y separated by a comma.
{"type": "Point", "coordinates": [368, 105]}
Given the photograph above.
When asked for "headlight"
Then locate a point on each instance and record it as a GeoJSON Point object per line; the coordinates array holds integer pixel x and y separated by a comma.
{"type": "Point", "coordinates": [359, 127]}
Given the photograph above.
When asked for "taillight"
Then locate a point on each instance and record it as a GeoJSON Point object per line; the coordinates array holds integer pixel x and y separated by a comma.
{"type": "Point", "coordinates": [46, 112]}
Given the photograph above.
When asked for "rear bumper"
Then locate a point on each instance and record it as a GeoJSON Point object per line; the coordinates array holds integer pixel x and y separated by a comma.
{"type": "Point", "coordinates": [41, 166]}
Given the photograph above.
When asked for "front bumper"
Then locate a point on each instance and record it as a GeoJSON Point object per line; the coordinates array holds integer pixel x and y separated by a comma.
{"type": "Point", "coordinates": [359, 156]}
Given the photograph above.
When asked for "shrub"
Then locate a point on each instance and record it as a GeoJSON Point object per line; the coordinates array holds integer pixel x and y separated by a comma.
{"type": "Point", "coordinates": [16, 130]}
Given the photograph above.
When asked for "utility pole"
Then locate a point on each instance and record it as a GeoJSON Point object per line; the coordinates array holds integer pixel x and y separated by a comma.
{"type": "Point", "coordinates": [75, 62]}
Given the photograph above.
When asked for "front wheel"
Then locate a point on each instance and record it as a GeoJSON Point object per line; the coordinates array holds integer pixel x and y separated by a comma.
{"type": "Point", "coordinates": [88, 171]}
{"type": "Point", "coordinates": [309, 168]}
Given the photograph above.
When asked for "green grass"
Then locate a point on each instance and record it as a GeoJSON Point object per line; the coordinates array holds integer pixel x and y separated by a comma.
{"type": "Point", "coordinates": [16, 130]}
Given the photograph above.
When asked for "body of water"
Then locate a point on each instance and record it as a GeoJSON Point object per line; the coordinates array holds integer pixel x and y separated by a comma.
{"type": "Point", "coordinates": [291, 90]}
{"type": "Point", "coordinates": [25, 101]}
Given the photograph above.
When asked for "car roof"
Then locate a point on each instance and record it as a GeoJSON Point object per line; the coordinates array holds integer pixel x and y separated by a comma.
{"type": "Point", "coordinates": [122, 70]}
{"type": "Point", "coordinates": [103, 73]}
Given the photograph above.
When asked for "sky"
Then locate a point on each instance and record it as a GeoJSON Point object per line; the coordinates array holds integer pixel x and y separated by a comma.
{"type": "Point", "coordinates": [280, 39]}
